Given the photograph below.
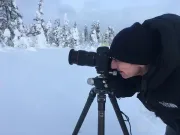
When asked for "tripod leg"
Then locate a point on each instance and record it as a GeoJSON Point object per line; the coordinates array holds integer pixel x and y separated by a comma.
{"type": "Point", "coordinates": [118, 113]}
{"type": "Point", "coordinates": [101, 113]}
{"type": "Point", "coordinates": [89, 101]}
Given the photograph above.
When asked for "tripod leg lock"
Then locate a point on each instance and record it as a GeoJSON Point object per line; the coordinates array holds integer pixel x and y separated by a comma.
{"type": "Point", "coordinates": [101, 101]}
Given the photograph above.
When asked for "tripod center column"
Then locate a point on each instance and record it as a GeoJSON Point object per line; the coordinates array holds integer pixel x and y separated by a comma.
{"type": "Point", "coordinates": [101, 98]}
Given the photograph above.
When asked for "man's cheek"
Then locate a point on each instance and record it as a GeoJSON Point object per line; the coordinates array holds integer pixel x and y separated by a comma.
{"type": "Point", "coordinates": [113, 66]}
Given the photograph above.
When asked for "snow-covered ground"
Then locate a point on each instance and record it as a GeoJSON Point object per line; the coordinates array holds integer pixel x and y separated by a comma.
{"type": "Point", "coordinates": [41, 94]}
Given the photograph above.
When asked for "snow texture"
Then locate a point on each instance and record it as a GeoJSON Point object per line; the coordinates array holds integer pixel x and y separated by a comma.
{"type": "Point", "coordinates": [41, 94]}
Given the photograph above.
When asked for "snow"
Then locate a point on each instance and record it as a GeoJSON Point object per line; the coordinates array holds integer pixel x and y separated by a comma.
{"type": "Point", "coordinates": [7, 33]}
{"type": "Point", "coordinates": [41, 94]}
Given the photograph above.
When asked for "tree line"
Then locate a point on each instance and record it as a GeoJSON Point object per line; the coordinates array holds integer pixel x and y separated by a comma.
{"type": "Point", "coordinates": [39, 34]}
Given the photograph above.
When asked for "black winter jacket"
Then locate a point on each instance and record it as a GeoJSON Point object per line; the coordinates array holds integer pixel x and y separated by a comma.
{"type": "Point", "coordinates": [160, 87]}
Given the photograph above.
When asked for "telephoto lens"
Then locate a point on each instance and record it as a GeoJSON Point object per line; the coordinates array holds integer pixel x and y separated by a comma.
{"type": "Point", "coordinates": [82, 58]}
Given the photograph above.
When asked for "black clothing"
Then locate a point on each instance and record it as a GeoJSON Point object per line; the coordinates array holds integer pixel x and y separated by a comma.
{"type": "Point", "coordinates": [160, 87]}
{"type": "Point", "coordinates": [170, 131]}
{"type": "Point", "coordinates": [124, 87]}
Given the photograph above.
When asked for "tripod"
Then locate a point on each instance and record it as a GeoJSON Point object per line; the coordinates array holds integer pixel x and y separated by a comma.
{"type": "Point", "coordinates": [101, 99]}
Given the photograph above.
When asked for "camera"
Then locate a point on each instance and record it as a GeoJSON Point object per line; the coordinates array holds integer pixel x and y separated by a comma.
{"type": "Point", "coordinates": [99, 59]}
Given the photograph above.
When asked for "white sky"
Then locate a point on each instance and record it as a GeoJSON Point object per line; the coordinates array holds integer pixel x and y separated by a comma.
{"type": "Point", "coordinates": [117, 13]}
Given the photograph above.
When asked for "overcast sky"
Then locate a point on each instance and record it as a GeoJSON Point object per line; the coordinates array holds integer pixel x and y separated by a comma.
{"type": "Point", "coordinates": [118, 13]}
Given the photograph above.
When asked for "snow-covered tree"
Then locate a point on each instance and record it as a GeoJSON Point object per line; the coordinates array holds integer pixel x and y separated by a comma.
{"type": "Point", "coordinates": [37, 30]}
{"type": "Point", "coordinates": [45, 29]}
{"type": "Point", "coordinates": [105, 38]}
{"type": "Point", "coordinates": [94, 39]}
{"type": "Point", "coordinates": [3, 14]}
{"type": "Point", "coordinates": [48, 28]}
{"type": "Point", "coordinates": [7, 37]}
{"type": "Point", "coordinates": [97, 27]}
{"type": "Point", "coordinates": [57, 23]}
{"type": "Point", "coordinates": [27, 29]}
{"type": "Point", "coordinates": [75, 39]}
{"type": "Point", "coordinates": [38, 19]}
{"type": "Point", "coordinates": [55, 34]}
{"type": "Point", "coordinates": [19, 30]}
{"type": "Point", "coordinates": [108, 36]}
{"type": "Point", "coordinates": [1, 38]}
{"type": "Point", "coordinates": [81, 38]}
{"type": "Point", "coordinates": [11, 19]}
{"type": "Point", "coordinates": [14, 33]}
{"type": "Point", "coordinates": [66, 20]}
{"type": "Point", "coordinates": [17, 18]}
{"type": "Point", "coordinates": [111, 34]}
{"type": "Point", "coordinates": [3, 19]}
{"type": "Point", "coordinates": [93, 35]}
{"type": "Point", "coordinates": [66, 32]}
{"type": "Point", "coordinates": [86, 36]}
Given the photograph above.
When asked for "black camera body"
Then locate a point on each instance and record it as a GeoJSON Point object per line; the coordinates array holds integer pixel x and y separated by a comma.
{"type": "Point", "coordinates": [99, 59]}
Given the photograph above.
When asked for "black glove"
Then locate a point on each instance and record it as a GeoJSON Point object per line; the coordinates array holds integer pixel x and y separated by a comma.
{"type": "Point", "coordinates": [123, 87]}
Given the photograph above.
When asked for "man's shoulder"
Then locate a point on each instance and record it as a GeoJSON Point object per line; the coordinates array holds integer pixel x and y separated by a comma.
{"type": "Point", "coordinates": [164, 17]}
{"type": "Point", "coordinates": [168, 26]}
{"type": "Point", "coordinates": [164, 22]}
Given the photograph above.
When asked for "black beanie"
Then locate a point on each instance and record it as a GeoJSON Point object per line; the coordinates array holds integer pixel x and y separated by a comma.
{"type": "Point", "coordinates": [133, 45]}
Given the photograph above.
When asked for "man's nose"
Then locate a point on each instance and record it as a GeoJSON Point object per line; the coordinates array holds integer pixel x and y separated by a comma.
{"type": "Point", "coordinates": [113, 64]}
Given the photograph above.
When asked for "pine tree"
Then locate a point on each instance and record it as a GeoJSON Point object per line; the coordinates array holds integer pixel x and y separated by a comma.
{"type": "Point", "coordinates": [66, 32]}
{"type": "Point", "coordinates": [105, 41]}
{"type": "Point", "coordinates": [81, 38]}
{"type": "Point", "coordinates": [3, 21]}
{"type": "Point", "coordinates": [66, 21]}
{"type": "Point", "coordinates": [38, 29]}
{"type": "Point", "coordinates": [3, 15]}
{"type": "Point", "coordinates": [1, 38]}
{"type": "Point", "coordinates": [111, 34]}
{"type": "Point", "coordinates": [74, 36]}
{"type": "Point", "coordinates": [86, 37]}
{"type": "Point", "coordinates": [38, 20]}
{"type": "Point", "coordinates": [45, 29]}
{"type": "Point", "coordinates": [10, 19]}
{"type": "Point", "coordinates": [57, 23]}
{"type": "Point", "coordinates": [19, 29]}
{"type": "Point", "coordinates": [93, 35]}
{"type": "Point", "coordinates": [55, 33]}
{"type": "Point", "coordinates": [17, 18]}
{"type": "Point", "coordinates": [49, 29]}
{"type": "Point", "coordinates": [108, 36]}
{"type": "Point", "coordinates": [97, 26]}
{"type": "Point", "coordinates": [6, 37]}
{"type": "Point", "coordinates": [4, 18]}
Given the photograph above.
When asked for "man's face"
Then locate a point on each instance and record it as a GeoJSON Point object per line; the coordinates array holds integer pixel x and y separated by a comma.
{"type": "Point", "coordinates": [126, 70]}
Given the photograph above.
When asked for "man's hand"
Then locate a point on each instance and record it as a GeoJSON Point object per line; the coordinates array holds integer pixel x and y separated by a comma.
{"type": "Point", "coordinates": [123, 87]}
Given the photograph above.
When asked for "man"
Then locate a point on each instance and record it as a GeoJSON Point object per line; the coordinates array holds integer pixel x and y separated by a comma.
{"type": "Point", "coordinates": [147, 57]}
